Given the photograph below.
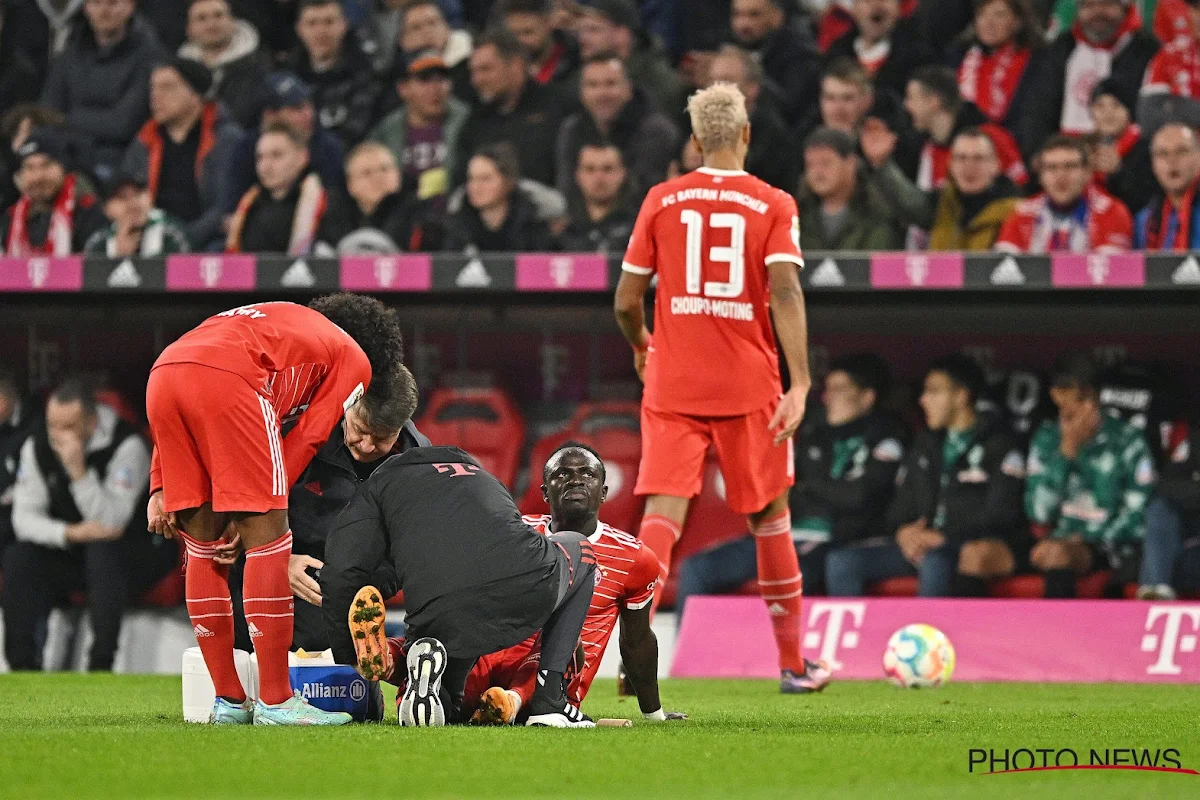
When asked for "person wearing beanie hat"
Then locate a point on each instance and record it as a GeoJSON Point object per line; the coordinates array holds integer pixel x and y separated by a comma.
{"type": "Point", "coordinates": [53, 216]}
{"type": "Point", "coordinates": [1121, 152]}
{"type": "Point", "coordinates": [1106, 40]}
{"type": "Point", "coordinates": [183, 150]}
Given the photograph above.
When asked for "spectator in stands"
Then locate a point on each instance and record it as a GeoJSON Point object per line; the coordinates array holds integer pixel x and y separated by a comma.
{"type": "Point", "coordinates": [838, 210]}
{"type": "Point", "coordinates": [553, 53]}
{"type": "Point", "coordinates": [613, 26]}
{"type": "Point", "coordinates": [382, 31]}
{"type": "Point", "coordinates": [957, 509]}
{"type": "Point", "coordinates": [845, 473]}
{"type": "Point", "coordinates": [15, 127]}
{"type": "Point", "coordinates": [784, 48]}
{"type": "Point", "coordinates": [601, 203]}
{"type": "Point", "coordinates": [615, 111]}
{"type": "Point", "coordinates": [331, 60]}
{"type": "Point", "coordinates": [82, 486]}
{"type": "Point", "coordinates": [289, 101]}
{"type": "Point", "coordinates": [1072, 214]}
{"type": "Point", "coordinates": [20, 76]}
{"type": "Point", "coordinates": [423, 133]}
{"type": "Point", "coordinates": [846, 97]}
{"type": "Point", "coordinates": [1090, 476]}
{"type": "Point", "coordinates": [183, 152]}
{"type": "Point", "coordinates": [888, 48]}
{"type": "Point", "coordinates": [54, 216]}
{"type": "Point", "coordinates": [937, 111]}
{"type": "Point", "coordinates": [136, 227]}
{"type": "Point", "coordinates": [425, 28]}
{"type": "Point", "coordinates": [1120, 153]}
{"type": "Point", "coordinates": [1171, 552]}
{"type": "Point", "coordinates": [1171, 90]}
{"type": "Point", "coordinates": [772, 144]}
{"type": "Point", "coordinates": [514, 109]}
{"type": "Point", "coordinates": [496, 215]}
{"type": "Point", "coordinates": [19, 417]}
{"type": "Point", "coordinates": [101, 81]}
{"type": "Point", "coordinates": [1106, 40]}
{"type": "Point", "coordinates": [375, 201]}
{"type": "Point", "coordinates": [281, 213]}
{"type": "Point", "coordinates": [973, 204]}
{"type": "Point", "coordinates": [229, 47]}
{"type": "Point", "coordinates": [1172, 219]}
{"type": "Point", "coordinates": [43, 28]}
{"type": "Point", "coordinates": [998, 63]}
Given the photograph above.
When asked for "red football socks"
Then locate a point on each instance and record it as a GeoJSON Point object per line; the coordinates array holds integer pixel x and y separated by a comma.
{"type": "Point", "coordinates": [211, 610]}
{"type": "Point", "coordinates": [267, 599]}
{"type": "Point", "coordinates": [660, 534]}
{"type": "Point", "coordinates": [781, 586]}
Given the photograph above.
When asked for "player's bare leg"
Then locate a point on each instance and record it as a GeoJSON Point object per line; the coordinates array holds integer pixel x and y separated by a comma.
{"type": "Point", "coordinates": [373, 655]}
{"type": "Point", "coordinates": [781, 586]}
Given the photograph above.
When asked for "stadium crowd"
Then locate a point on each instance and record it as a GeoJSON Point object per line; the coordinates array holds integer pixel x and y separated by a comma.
{"type": "Point", "coordinates": [351, 126]}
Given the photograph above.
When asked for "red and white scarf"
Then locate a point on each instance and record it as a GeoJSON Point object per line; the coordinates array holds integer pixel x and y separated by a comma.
{"type": "Point", "coordinates": [1087, 66]}
{"type": "Point", "coordinates": [62, 225]}
{"type": "Point", "coordinates": [990, 80]}
{"type": "Point", "coordinates": [1156, 229]}
{"type": "Point", "coordinates": [310, 207]}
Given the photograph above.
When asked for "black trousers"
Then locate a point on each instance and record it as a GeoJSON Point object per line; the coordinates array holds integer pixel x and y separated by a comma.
{"type": "Point", "coordinates": [560, 632]}
{"type": "Point", "coordinates": [37, 578]}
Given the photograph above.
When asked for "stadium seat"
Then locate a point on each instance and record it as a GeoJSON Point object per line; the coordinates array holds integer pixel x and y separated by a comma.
{"type": "Point", "coordinates": [483, 422]}
{"type": "Point", "coordinates": [613, 430]}
{"type": "Point", "coordinates": [894, 587]}
{"type": "Point", "coordinates": [1033, 587]}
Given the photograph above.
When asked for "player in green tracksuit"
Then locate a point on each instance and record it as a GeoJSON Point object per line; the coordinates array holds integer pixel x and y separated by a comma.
{"type": "Point", "coordinates": [1089, 479]}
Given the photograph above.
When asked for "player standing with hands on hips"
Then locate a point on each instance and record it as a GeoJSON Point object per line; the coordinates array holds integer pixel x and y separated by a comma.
{"type": "Point", "coordinates": [726, 249]}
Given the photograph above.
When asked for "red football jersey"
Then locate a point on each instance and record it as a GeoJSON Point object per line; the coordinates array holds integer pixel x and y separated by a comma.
{"type": "Point", "coordinates": [627, 573]}
{"type": "Point", "coordinates": [1175, 69]}
{"type": "Point", "coordinates": [308, 368]}
{"type": "Point", "coordinates": [709, 236]}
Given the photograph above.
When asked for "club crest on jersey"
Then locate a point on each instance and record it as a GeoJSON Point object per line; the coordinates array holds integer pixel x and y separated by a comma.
{"type": "Point", "coordinates": [599, 575]}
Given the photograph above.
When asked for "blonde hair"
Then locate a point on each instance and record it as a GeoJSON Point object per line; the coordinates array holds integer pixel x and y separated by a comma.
{"type": "Point", "coordinates": [718, 116]}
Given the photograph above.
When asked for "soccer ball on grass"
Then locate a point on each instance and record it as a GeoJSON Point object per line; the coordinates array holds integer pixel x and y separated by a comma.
{"type": "Point", "coordinates": [917, 656]}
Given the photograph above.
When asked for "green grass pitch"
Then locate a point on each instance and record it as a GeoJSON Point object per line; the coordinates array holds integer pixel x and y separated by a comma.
{"type": "Point", "coordinates": [74, 736]}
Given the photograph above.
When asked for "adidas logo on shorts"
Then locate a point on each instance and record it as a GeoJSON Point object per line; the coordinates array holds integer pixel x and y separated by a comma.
{"type": "Point", "coordinates": [202, 632]}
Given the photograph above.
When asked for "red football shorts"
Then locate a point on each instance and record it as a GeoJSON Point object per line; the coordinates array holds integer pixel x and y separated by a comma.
{"type": "Point", "coordinates": [218, 440]}
{"type": "Point", "coordinates": [674, 445]}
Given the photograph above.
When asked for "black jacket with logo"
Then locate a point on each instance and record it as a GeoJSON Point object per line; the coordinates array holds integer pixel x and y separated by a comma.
{"type": "Point", "coordinates": [985, 494]}
{"type": "Point", "coordinates": [474, 575]}
{"type": "Point", "coordinates": [846, 474]}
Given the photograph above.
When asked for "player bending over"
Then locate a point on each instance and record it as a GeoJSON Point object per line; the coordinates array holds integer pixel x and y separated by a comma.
{"type": "Point", "coordinates": [726, 249]}
{"type": "Point", "coordinates": [476, 579]}
{"type": "Point", "coordinates": [574, 487]}
{"type": "Point", "coordinates": [218, 400]}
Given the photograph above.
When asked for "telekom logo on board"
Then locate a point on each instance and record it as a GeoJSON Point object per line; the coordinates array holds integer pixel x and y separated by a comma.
{"type": "Point", "coordinates": [1172, 639]}
{"type": "Point", "coordinates": [842, 621]}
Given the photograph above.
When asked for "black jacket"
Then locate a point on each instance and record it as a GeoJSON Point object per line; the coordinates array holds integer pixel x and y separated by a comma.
{"type": "Point", "coordinates": [346, 96]}
{"type": "Point", "coordinates": [984, 498]}
{"type": "Point", "coordinates": [792, 65]}
{"type": "Point", "coordinates": [1179, 483]}
{"type": "Point", "coordinates": [327, 486]}
{"type": "Point", "coordinates": [774, 155]}
{"type": "Point", "coordinates": [406, 221]}
{"type": "Point", "coordinates": [846, 474]}
{"type": "Point", "coordinates": [609, 236]}
{"type": "Point", "coordinates": [13, 434]}
{"type": "Point", "coordinates": [908, 51]}
{"type": "Point", "coordinates": [531, 127]}
{"type": "Point", "coordinates": [521, 231]}
{"type": "Point", "coordinates": [474, 575]}
{"type": "Point", "coordinates": [1043, 110]}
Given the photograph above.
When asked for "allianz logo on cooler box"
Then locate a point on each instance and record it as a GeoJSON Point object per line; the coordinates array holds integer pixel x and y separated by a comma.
{"type": "Point", "coordinates": [356, 691]}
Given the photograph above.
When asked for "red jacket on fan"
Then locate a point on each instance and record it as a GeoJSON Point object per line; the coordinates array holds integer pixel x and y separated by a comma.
{"type": "Point", "coordinates": [1098, 222]}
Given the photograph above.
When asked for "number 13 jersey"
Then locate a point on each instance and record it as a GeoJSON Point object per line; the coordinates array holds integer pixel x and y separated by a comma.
{"type": "Point", "coordinates": [709, 236]}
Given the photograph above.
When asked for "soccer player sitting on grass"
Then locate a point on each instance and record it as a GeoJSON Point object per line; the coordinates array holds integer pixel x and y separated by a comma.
{"type": "Point", "coordinates": [476, 579]}
{"type": "Point", "coordinates": [501, 684]}
{"type": "Point", "coordinates": [218, 400]}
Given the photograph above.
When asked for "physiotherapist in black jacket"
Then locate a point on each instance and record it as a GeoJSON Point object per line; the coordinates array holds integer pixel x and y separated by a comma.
{"type": "Point", "coordinates": [355, 448]}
